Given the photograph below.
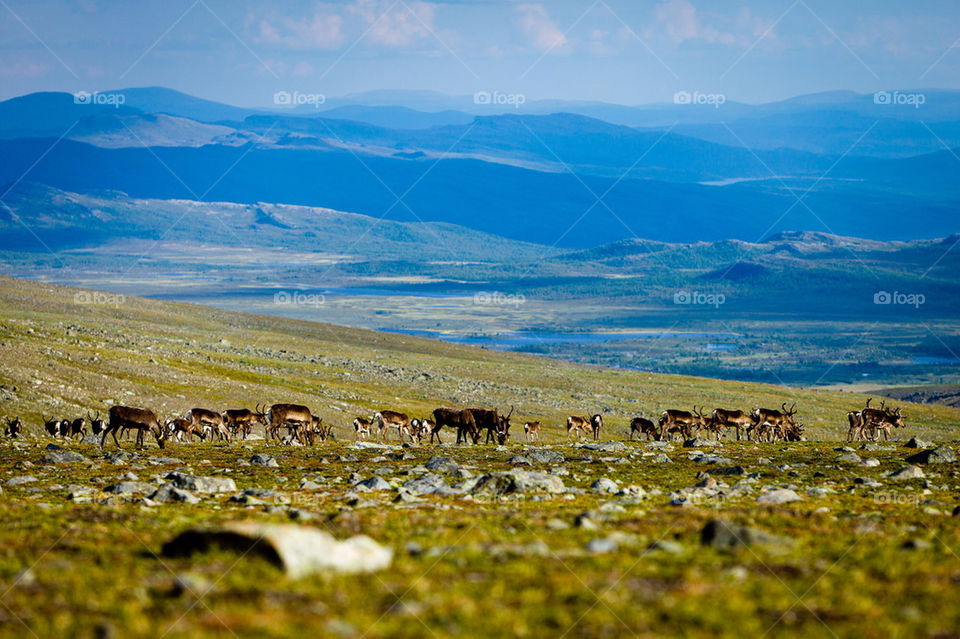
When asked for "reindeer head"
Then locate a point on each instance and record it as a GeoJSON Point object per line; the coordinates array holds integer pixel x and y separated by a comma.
{"type": "Point", "coordinates": [261, 414]}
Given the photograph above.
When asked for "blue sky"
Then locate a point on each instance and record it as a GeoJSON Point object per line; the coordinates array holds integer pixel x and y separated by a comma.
{"type": "Point", "coordinates": [630, 52]}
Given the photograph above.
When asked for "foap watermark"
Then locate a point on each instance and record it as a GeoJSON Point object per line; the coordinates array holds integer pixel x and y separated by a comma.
{"type": "Point", "coordinates": [899, 98]}
{"type": "Point", "coordinates": [98, 298]}
{"type": "Point", "coordinates": [885, 298]}
{"type": "Point", "coordinates": [100, 99]}
{"type": "Point", "coordinates": [298, 298]}
{"type": "Point", "coordinates": [699, 298]}
{"type": "Point", "coordinates": [899, 499]}
{"type": "Point", "coordinates": [698, 98]}
{"type": "Point", "coordinates": [496, 98]}
{"type": "Point", "coordinates": [295, 99]}
{"type": "Point", "coordinates": [496, 298]}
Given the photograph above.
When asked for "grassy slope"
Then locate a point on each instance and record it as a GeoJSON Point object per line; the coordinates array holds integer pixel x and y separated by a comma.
{"type": "Point", "coordinates": [171, 357]}
{"type": "Point", "coordinates": [487, 567]}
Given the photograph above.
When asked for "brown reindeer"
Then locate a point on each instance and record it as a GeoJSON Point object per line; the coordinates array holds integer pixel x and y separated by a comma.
{"type": "Point", "coordinates": [139, 419]}
{"type": "Point", "coordinates": [177, 427]}
{"type": "Point", "coordinates": [736, 419]}
{"type": "Point", "coordinates": [291, 416]}
{"type": "Point", "coordinates": [240, 421]}
{"type": "Point", "coordinates": [56, 427]}
{"type": "Point", "coordinates": [462, 420]}
{"type": "Point", "coordinates": [684, 422]}
{"type": "Point", "coordinates": [576, 425]}
{"type": "Point", "coordinates": [771, 425]}
{"type": "Point", "coordinates": [855, 418]}
{"type": "Point", "coordinates": [531, 431]}
{"type": "Point", "coordinates": [392, 419]}
{"type": "Point", "coordinates": [14, 428]}
{"type": "Point", "coordinates": [880, 420]}
{"type": "Point", "coordinates": [361, 427]}
{"type": "Point", "coordinates": [643, 426]}
{"type": "Point", "coordinates": [596, 423]}
{"type": "Point", "coordinates": [209, 420]}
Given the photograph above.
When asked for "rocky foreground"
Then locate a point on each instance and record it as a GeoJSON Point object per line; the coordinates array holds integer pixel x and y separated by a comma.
{"type": "Point", "coordinates": [368, 540]}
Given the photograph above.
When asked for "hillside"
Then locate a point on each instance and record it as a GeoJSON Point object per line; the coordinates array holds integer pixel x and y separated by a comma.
{"type": "Point", "coordinates": [67, 351]}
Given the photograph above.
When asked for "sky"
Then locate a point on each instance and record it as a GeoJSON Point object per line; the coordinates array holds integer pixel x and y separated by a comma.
{"type": "Point", "coordinates": [624, 51]}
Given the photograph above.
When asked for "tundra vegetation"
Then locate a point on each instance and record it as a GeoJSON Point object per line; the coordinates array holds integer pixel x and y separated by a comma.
{"type": "Point", "coordinates": [578, 537]}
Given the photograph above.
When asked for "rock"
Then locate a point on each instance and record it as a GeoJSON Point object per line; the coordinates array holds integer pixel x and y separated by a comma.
{"type": "Point", "coordinates": [602, 545]}
{"type": "Point", "coordinates": [730, 470]}
{"type": "Point", "coordinates": [870, 462]}
{"type": "Point", "coordinates": [165, 461]}
{"type": "Point", "coordinates": [661, 458]}
{"type": "Point", "coordinates": [916, 544]}
{"type": "Point", "coordinates": [373, 484]}
{"type": "Point", "coordinates": [939, 455]}
{"type": "Point", "coordinates": [850, 458]}
{"type": "Point", "coordinates": [917, 443]}
{"type": "Point", "coordinates": [309, 484]}
{"type": "Point", "coordinates": [519, 460]}
{"type": "Point", "coordinates": [606, 447]}
{"type": "Point", "coordinates": [907, 472]}
{"type": "Point", "coordinates": [870, 446]}
{"type": "Point", "coordinates": [956, 511]}
{"type": "Point", "coordinates": [545, 456]}
{"type": "Point", "coordinates": [19, 481]}
{"type": "Point", "coordinates": [700, 442]}
{"type": "Point", "coordinates": [299, 550]}
{"type": "Point", "coordinates": [426, 484]}
{"type": "Point", "coordinates": [604, 485]}
{"type": "Point", "coordinates": [170, 493]}
{"type": "Point", "coordinates": [517, 481]}
{"type": "Point", "coordinates": [778, 496]}
{"type": "Point", "coordinates": [264, 460]}
{"type": "Point", "coordinates": [52, 447]}
{"type": "Point", "coordinates": [724, 534]}
{"type": "Point", "coordinates": [668, 546]}
{"type": "Point", "coordinates": [202, 484]}
{"type": "Point", "coordinates": [64, 457]}
{"type": "Point", "coordinates": [130, 488]}
{"type": "Point", "coordinates": [441, 464]}
{"type": "Point", "coordinates": [586, 520]}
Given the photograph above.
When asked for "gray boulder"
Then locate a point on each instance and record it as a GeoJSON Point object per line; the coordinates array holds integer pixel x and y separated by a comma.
{"type": "Point", "coordinates": [170, 493]}
{"type": "Point", "coordinates": [722, 534]}
{"type": "Point", "coordinates": [130, 488]}
{"type": "Point", "coordinates": [517, 481]}
{"type": "Point", "coordinates": [939, 455]}
{"type": "Point", "coordinates": [202, 484]}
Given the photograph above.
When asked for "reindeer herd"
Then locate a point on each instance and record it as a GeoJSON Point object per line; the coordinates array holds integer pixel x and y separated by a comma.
{"type": "Point", "coordinates": [470, 424]}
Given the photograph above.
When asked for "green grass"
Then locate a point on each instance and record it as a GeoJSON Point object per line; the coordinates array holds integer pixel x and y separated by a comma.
{"type": "Point", "coordinates": [93, 570]}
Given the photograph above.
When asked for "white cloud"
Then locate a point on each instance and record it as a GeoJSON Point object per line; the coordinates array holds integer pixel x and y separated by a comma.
{"type": "Point", "coordinates": [400, 26]}
{"type": "Point", "coordinates": [542, 31]}
{"type": "Point", "coordinates": [323, 31]}
{"type": "Point", "coordinates": [679, 20]}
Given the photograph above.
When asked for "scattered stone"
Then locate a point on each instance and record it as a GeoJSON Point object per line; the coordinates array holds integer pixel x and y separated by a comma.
{"type": "Point", "coordinates": [130, 488]}
{"type": "Point", "coordinates": [724, 534]}
{"type": "Point", "coordinates": [202, 484]}
{"type": "Point", "coordinates": [939, 455]}
{"type": "Point", "coordinates": [545, 456]}
{"type": "Point", "coordinates": [667, 546]}
{"type": "Point", "coordinates": [604, 485]}
{"type": "Point", "coordinates": [19, 481]}
{"type": "Point", "coordinates": [264, 460]}
{"type": "Point", "coordinates": [441, 464]}
{"type": "Point", "coordinates": [778, 496]}
{"type": "Point", "coordinates": [64, 457]}
{"type": "Point", "coordinates": [517, 481]}
{"type": "Point", "coordinates": [299, 550]}
{"type": "Point", "coordinates": [519, 460]}
{"type": "Point", "coordinates": [309, 484]}
{"type": "Point", "coordinates": [661, 458]}
{"type": "Point", "coordinates": [375, 483]}
{"type": "Point", "coordinates": [606, 447]}
{"type": "Point", "coordinates": [426, 484]}
{"type": "Point", "coordinates": [730, 470]}
{"type": "Point", "coordinates": [700, 442]}
{"type": "Point", "coordinates": [168, 493]}
{"type": "Point", "coordinates": [602, 545]}
{"type": "Point", "coordinates": [870, 462]}
{"type": "Point", "coordinates": [850, 458]}
{"type": "Point", "coordinates": [907, 472]}
{"type": "Point", "coordinates": [917, 443]}
{"type": "Point", "coordinates": [916, 544]}
{"type": "Point", "coordinates": [586, 520]}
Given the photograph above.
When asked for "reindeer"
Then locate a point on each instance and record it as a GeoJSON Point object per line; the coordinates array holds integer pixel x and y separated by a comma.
{"type": "Point", "coordinates": [596, 423]}
{"type": "Point", "coordinates": [880, 420]}
{"type": "Point", "coordinates": [97, 425]}
{"type": "Point", "coordinates": [177, 427]}
{"type": "Point", "coordinates": [680, 421]}
{"type": "Point", "coordinates": [503, 428]}
{"type": "Point", "coordinates": [139, 419]}
{"type": "Point", "coordinates": [392, 419]}
{"type": "Point", "coordinates": [14, 428]}
{"type": "Point", "coordinates": [531, 431]}
{"type": "Point", "coordinates": [855, 418]}
{"type": "Point", "coordinates": [462, 420]}
{"type": "Point", "coordinates": [576, 424]}
{"type": "Point", "coordinates": [240, 421]}
{"type": "Point", "coordinates": [306, 434]}
{"type": "Point", "coordinates": [643, 426]}
{"type": "Point", "coordinates": [773, 424]}
{"type": "Point", "coordinates": [78, 427]}
{"type": "Point", "coordinates": [281, 415]}
{"type": "Point", "coordinates": [361, 427]}
{"type": "Point", "coordinates": [55, 427]}
{"type": "Point", "coordinates": [736, 419]}
{"type": "Point", "coordinates": [203, 418]}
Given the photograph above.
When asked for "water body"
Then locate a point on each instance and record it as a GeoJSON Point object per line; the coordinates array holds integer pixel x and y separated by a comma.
{"type": "Point", "coordinates": [514, 340]}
